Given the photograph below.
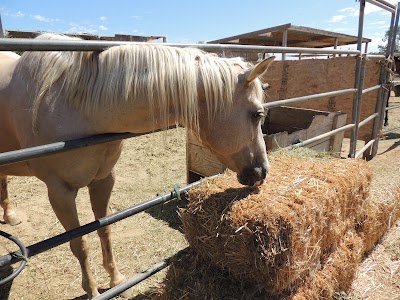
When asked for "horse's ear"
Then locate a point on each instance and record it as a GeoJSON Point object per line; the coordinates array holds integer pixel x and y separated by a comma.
{"type": "Point", "coordinates": [259, 68]}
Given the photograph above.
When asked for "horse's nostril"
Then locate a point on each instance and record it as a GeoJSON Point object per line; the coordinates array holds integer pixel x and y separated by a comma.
{"type": "Point", "coordinates": [260, 172]}
{"type": "Point", "coordinates": [253, 176]}
{"type": "Point", "coordinates": [264, 172]}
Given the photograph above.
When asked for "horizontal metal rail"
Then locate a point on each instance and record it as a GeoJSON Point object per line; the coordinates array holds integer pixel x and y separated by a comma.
{"type": "Point", "coordinates": [122, 287]}
{"type": "Point", "coordinates": [309, 97]}
{"type": "Point", "coordinates": [58, 147]}
{"type": "Point", "coordinates": [375, 56]}
{"type": "Point", "coordinates": [383, 4]}
{"type": "Point", "coordinates": [320, 137]}
{"type": "Point", "coordinates": [392, 107]}
{"type": "Point", "coordinates": [90, 227]}
{"type": "Point", "coordinates": [372, 88]}
{"type": "Point", "coordinates": [365, 121]}
{"type": "Point", "coordinates": [15, 156]}
{"type": "Point", "coordinates": [362, 150]}
{"type": "Point", "coordinates": [8, 44]}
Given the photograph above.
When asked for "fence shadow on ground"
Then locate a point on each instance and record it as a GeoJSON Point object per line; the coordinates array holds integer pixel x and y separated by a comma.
{"type": "Point", "coordinates": [5, 288]}
{"type": "Point", "coordinates": [84, 296]}
{"type": "Point", "coordinates": [392, 136]}
{"type": "Point", "coordinates": [168, 212]}
{"type": "Point", "coordinates": [146, 296]}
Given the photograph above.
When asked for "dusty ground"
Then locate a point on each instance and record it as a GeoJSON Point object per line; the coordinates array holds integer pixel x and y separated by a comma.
{"type": "Point", "coordinates": [149, 165]}
{"type": "Point", "coordinates": [378, 277]}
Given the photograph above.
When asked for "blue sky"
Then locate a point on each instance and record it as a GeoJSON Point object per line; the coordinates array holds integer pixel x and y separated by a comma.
{"type": "Point", "coordinates": [190, 21]}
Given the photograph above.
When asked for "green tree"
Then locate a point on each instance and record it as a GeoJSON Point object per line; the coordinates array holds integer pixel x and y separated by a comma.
{"type": "Point", "coordinates": [382, 48]}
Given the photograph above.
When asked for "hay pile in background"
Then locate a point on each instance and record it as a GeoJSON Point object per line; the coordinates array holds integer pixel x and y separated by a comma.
{"type": "Point", "coordinates": [299, 236]}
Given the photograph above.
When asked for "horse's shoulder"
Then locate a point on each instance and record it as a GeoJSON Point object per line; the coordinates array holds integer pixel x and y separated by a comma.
{"type": "Point", "coordinates": [9, 55]}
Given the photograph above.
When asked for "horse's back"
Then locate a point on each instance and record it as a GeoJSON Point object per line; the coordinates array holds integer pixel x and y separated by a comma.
{"type": "Point", "coordinates": [8, 61]}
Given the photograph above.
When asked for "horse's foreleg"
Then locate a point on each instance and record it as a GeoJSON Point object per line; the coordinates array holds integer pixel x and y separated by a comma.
{"type": "Point", "coordinates": [386, 123]}
{"type": "Point", "coordinates": [10, 215]}
{"type": "Point", "coordinates": [100, 192]}
{"type": "Point", "coordinates": [62, 199]}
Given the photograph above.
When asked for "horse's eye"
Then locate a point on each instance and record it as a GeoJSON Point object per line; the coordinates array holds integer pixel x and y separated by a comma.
{"type": "Point", "coordinates": [265, 86]}
{"type": "Point", "coordinates": [258, 115]}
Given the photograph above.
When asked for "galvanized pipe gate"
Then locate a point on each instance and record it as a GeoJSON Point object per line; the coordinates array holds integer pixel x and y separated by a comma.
{"type": "Point", "coordinates": [369, 150]}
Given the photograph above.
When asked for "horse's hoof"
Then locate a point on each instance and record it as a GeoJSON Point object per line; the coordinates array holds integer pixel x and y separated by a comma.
{"type": "Point", "coordinates": [94, 295]}
{"type": "Point", "coordinates": [121, 279]}
{"type": "Point", "coordinates": [12, 219]}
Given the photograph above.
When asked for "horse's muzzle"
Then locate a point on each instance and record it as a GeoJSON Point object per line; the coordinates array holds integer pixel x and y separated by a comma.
{"type": "Point", "coordinates": [253, 176]}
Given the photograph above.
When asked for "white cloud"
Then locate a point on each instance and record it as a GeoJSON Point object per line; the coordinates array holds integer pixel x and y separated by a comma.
{"type": "Point", "coordinates": [381, 23]}
{"type": "Point", "coordinates": [337, 19]}
{"type": "Point", "coordinates": [76, 28]}
{"type": "Point", "coordinates": [18, 14]}
{"type": "Point", "coordinates": [373, 45]}
{"type": "Point", "coordinates": [354, 11]}
{"type": "Point", "coordinates": [350, 11]}
{"type": "Point", "coordinates": [101, 27]}
{"type": "Point", "coordinates": [41, 18]}
{"type": "Point", "coordinates": [137, 17]}
{"type": "Point", "coordinates": [103, 19]}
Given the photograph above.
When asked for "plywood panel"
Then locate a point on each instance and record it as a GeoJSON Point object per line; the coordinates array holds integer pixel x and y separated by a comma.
{"type": "Point", "coordinates": [289, 79]}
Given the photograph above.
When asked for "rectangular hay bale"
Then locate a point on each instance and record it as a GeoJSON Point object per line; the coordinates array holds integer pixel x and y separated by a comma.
{"type": "Point", "coordinates": [193, 277]}
{"type": "Point", "coordinates": [279, 234]}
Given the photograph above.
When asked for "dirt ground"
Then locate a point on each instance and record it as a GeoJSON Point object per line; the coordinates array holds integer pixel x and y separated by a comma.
{"type": "Point", "coordinates": [149, 165]}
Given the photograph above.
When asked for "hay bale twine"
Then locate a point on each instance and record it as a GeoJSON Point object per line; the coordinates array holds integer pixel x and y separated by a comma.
{"type": "Point", "coordinates": [279, 234]}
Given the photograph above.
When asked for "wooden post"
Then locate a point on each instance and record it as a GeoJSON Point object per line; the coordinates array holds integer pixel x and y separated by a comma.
{"type": "Point", "coordinates": [284, 43]}
{"type": "Point", "coordinates": [335, 46]}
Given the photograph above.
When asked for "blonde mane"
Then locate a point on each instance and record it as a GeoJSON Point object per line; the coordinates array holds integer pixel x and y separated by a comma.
{"type": "Point", "coordinates": [162, 75]}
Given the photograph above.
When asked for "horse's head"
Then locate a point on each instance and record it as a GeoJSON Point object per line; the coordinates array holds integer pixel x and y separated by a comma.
{"type": "Point", "coordinates": [235, 137]}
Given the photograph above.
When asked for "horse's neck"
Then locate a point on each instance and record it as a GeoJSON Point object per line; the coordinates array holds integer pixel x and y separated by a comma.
{"type": "Point", "coordinates": [135, 117]}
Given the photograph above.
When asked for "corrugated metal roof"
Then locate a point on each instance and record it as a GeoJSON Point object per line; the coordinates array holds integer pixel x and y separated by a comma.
{"type": "Point", "coordinates": [297, 36]}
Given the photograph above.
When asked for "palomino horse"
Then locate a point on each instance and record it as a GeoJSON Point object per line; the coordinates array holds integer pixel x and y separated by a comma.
{"type": "Point", "coordinates": [54, 96]}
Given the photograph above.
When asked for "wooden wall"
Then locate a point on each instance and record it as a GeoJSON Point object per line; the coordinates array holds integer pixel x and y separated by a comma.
{"type": "Point", "coordinates": [295, 78]}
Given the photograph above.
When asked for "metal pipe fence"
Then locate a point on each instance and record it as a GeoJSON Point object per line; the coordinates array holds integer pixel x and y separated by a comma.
{"type": "Point", "coordinates": [357, 90]}
{"type": "Point", "coordinates": [368, 119]}
{"type": "Point", "coordinates": [99, 223]}
{"type": "Point", "coordinates": [309, 97]}
{"type": "Point", "coordinates": [81, 45]}
{"type": "Point", "coordinates": [321, 136]}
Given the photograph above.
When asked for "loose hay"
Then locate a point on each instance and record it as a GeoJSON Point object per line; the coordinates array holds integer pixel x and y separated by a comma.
{"type": "Point", "coordinates": [279, 234]}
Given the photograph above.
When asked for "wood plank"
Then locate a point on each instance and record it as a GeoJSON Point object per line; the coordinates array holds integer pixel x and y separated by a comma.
{"type": "Point", "coordinates": [320, 124]}
{"type": "Point", "coordinates": [336, 141]}
{"type": "Point", "coordinates": [296, 118]}
{"type": "Point", "coordinates": [276, 141]}
{"type": "Point", "coordinates": [202, 161]}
